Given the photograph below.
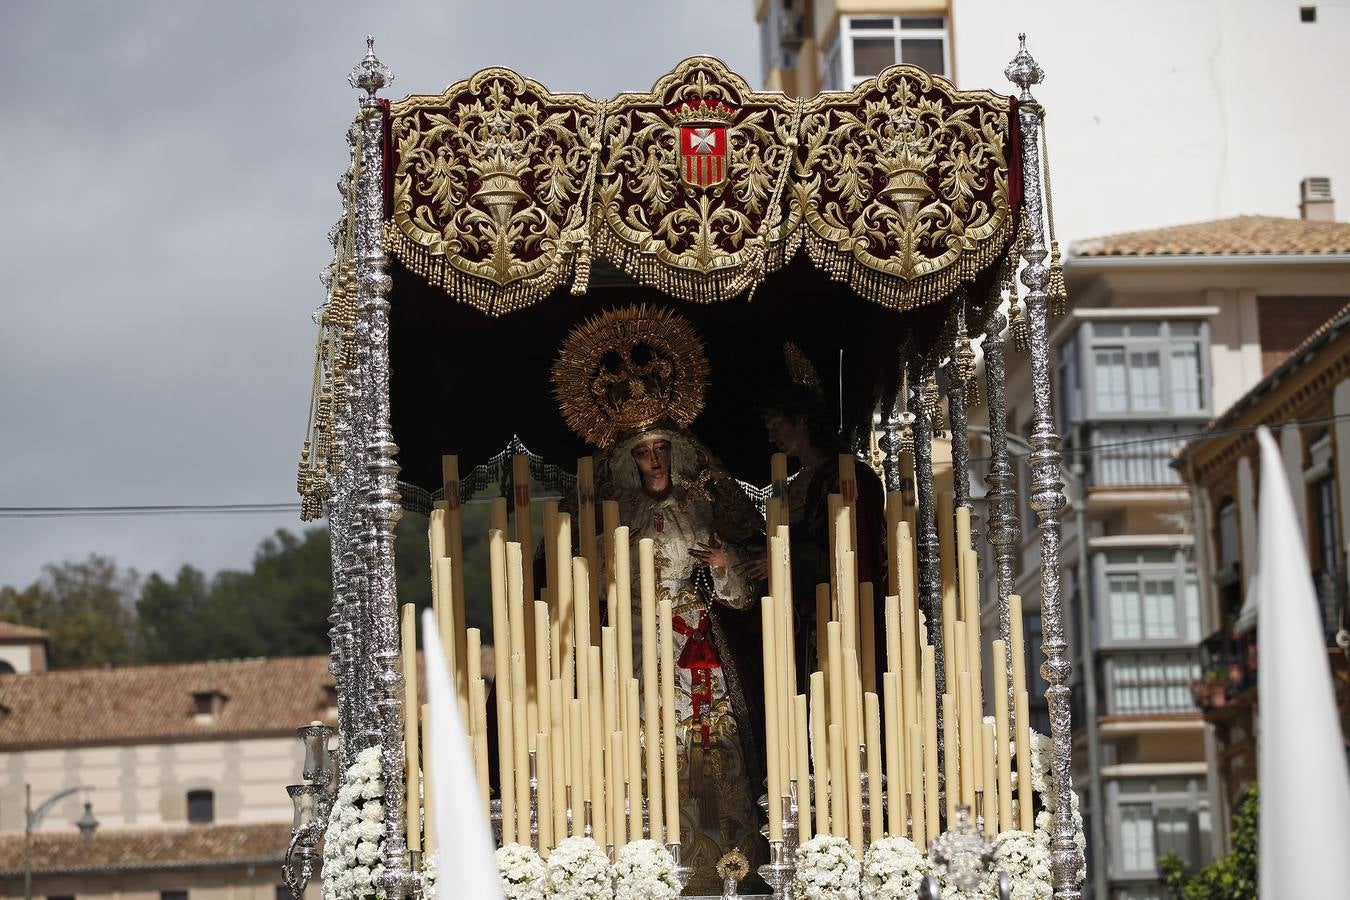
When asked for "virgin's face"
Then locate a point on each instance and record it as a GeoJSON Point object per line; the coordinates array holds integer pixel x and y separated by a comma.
{"type": "Point", "coordinates": [653, 462]}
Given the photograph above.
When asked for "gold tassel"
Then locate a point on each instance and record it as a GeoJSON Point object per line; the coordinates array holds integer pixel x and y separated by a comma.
{"type": "Point", "coordinates": [973, 396]}
{"type": "Point", "coordinates": [1019, 328]}
{"type": "Point", "coordinates": [581, 279]}
{"type": "Point", "coordinates": [1056, 289]}
{"type": "Point", "coordinates": [302, 472]}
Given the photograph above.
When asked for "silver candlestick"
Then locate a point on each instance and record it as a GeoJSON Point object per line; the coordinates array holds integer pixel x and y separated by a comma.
{"type": "Point", "coordinates": [777, 872]}
{"type": "Point", "coordinates": [682, 872]}
{"type": "Point", "coordinates": [534, 801]}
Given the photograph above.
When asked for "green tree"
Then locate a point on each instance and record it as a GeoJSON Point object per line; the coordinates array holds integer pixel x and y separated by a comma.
{"type": "Point", "coordinates": [278, 607]}
{"type": "Point", "coordinates": [84, 606]}
{"type": "Point", "coordinates": [169, 615]}
{"type": "Point", "coordinates": [1231, 877]}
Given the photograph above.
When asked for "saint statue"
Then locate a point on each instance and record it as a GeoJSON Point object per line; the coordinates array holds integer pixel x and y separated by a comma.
{"type": "Point", "coordinates": [798, 422]}
{"type": "Point", "coordinates": [630, 381]}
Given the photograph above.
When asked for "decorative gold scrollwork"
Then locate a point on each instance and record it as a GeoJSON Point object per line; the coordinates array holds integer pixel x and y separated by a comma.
{"type": "Point", "coordinates": [687, 198]}
{"type": "Point", "coordinates": [489, 186]}
{"type": "Point", "coordinates": [701, 187]}
{"type": "Point", "coordinates": [903, 185]}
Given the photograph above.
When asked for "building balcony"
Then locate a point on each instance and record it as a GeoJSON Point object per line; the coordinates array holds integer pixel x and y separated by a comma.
{"type": "Point", "coordinates": [1230, 660]}
{"type": "Point", "coordinates": [1139, 684]}
{"type": "Point", "coordinates": [1136, 454]}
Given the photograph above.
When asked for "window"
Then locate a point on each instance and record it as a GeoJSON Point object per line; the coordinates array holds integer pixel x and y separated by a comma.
{"type": "Point", "coordinates": [60, 897]}
{"type": "Point", "coordinates": [1151, 595]}
{"type": "Point", "coordinates": [1307, 14]}
{"type": "Point", "coordinates": [1069, 387]}
{"type": "Point", "coordinates": [6, 668]}
{"type": "Point", "coordinates": [1160, 816]}
{"type": "Point", "coordinates": [1146, 367]}
{"type": "Point", "coordinates": [1230, 549]}
{"type": "Point", "coordinates": [1151, 683]}
{"type": "Point", "coordinates": [868, 44]}
{"type": "Point", "coordinates": [1136, 453]}
{"type": "Point", "coordinates": [201, 807]}
{"type": "Point", "coordinates": [284, 893]}
{"type": "Point", "coordinates": [1325, 536]}
{"type": "Point", "coordinates": [173, 895]}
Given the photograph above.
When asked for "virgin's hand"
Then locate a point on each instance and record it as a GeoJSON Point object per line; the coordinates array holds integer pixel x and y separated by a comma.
{"type": "Point", "coordinates": [714, 557]}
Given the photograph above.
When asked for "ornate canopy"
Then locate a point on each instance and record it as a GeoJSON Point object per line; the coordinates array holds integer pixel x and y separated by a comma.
{"type": "Point", "coordinates": [513, 212]}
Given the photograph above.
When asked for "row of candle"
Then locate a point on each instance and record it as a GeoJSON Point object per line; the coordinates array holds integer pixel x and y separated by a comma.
{"type": "Point", "coordinates": [559, 694]}
{"type": "Point", "coordinates": [567, 703]}
{"type": "Point", "coordinates": [833, 732]}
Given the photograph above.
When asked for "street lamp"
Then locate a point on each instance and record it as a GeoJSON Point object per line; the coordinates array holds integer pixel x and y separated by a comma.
{"type": "Point", "coordinates": [32, 818]}
{"type": "Point", "coordinates": [87, 823]}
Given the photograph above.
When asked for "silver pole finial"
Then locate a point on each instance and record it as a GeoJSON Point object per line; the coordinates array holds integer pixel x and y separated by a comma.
{"type": "Point", "coordinates": [1024, 71]}
{"type": "Point", "coordinates": [370, 74]}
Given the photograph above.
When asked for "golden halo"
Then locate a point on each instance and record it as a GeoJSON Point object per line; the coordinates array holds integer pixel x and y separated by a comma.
{"type": "Point", "coordinates": [627, 369]}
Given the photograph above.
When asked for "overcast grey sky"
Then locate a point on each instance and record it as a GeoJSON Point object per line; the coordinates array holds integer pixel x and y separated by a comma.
{"type": "Point", "coordinates": [165, 194]}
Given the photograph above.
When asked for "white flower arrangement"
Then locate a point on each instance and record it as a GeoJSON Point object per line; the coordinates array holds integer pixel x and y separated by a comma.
{"type": "Point", "coordinates": [1042, 750]}
{"type": "Point", "coordinates": [1025, 857]}
{"type": "Point", "coordinates": [987, 889]}
{"type": "Point", "coordinates": [522, 871]}
{"type": "Point", "coordinates": [1043, 784]}
{"type": "Point", "coordinates": [645, 870]}
{"type": "Point", "coordinates": [351, 842]}
{"type": "Point", "coordinates": [827, 869]}
{"type": "Point", "coordinates": [579, 870]}
{"type": "Point", "coordinates": [430, 872]}
{"type": "Point", "coordinates": [891, 869]}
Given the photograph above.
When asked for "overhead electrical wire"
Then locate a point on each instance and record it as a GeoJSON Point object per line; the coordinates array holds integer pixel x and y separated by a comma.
{"type": "Point", "coordinates": [238, 509]}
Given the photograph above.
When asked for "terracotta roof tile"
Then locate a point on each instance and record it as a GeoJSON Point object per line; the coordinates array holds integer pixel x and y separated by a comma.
{"type": "Point", "coordinates": [10, 631]}
{"type": "Point", "coordinates": [196, 846]}
{"type": "Point", "coordinates": [1238, 236]}
{"type": "Point", "coordinates": [148, 703]}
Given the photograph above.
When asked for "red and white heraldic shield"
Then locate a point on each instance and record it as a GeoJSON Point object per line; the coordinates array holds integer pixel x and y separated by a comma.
{"type": "Point", "coordinates": [703, 154]}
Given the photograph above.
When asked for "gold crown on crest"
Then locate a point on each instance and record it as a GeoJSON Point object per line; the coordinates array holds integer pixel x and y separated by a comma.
{"type": "Point", "coordinates": [702, 112]}
{"type": "Point", "coordinates": [627, 369]}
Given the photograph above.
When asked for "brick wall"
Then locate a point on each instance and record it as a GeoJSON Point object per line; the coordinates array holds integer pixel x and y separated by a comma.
{"type": "Point", "coordinates": [1285, 322]}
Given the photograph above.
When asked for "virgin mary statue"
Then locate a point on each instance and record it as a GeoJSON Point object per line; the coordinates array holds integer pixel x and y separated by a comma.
{"type": "Point", "coordinates": [630, 381]}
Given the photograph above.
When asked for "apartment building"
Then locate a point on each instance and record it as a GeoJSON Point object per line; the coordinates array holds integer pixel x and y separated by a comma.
{"type": "Point", "coordinates": [1168, 328]}
{"type": "Point", "coordinates": [178, 770]}
{"type": "Point", "coordinates": [1305, 400]}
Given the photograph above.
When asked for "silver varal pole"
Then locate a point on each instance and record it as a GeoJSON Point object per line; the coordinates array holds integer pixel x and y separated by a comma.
{"type": "Point", "coordinates": [1005, 533]}
{"type": "Point", "coordinates": [1047, 490]}
{"type": "Point", "coordinates": [382, 498]}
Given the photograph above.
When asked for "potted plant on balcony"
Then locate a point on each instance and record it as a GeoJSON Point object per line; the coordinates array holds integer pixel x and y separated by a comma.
{"type": "Point", "coordinates": [1208, 689]}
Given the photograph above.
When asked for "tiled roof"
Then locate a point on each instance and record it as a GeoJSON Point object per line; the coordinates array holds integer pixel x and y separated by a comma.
{"type": "Point", "coordinates": [154, 703]}
{"type": "Point", "coordinates": [1238, 236]}
{"type": "Point", "coordinates": [10, 632]}
{"type": "Point", "coordinates": [198, 846]}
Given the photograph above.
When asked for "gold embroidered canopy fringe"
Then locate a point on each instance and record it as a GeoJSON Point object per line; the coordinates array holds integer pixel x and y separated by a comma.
{"type": "Point", "coordinates": [904, 188]}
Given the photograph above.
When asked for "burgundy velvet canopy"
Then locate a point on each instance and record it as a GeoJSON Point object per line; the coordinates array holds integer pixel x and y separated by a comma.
{"type": "Point", "coordinates": [514, 213]}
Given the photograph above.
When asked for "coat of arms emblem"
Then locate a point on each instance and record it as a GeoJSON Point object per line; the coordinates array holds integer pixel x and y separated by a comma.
{"type": "Point", "coordinates": [703, 141]}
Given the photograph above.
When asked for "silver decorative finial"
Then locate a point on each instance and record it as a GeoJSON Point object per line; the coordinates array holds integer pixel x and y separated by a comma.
{"type": "Point", "coordinates": [1024, 71]}
{"type": "Point", "coordinates": [370, 74]}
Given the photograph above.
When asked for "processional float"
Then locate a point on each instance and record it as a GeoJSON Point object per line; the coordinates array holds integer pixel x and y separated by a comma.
{"type": "Point", "coordinates": [486, 227]}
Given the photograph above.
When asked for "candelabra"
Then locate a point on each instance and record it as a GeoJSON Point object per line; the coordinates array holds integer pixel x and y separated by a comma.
{"type": "Point", "coordinates": [782, 865]}
{"type": "Point", "coordinates": [313, 801]}
{"type": "Point", "coordinates": [683, 872]}
{"type": "Point", "coordinates": [962, 852]}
